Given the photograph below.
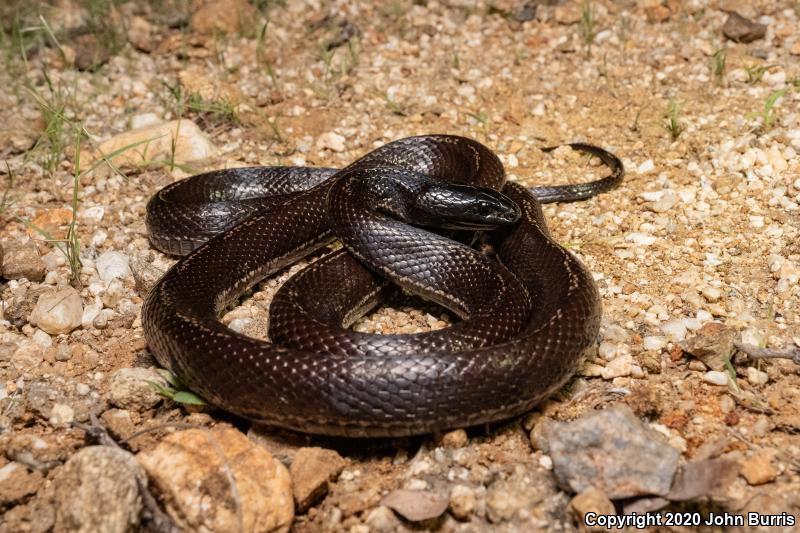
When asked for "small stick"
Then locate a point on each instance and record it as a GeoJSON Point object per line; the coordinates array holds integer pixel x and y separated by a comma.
{"type": "Point", "coordinates": [754, 352]}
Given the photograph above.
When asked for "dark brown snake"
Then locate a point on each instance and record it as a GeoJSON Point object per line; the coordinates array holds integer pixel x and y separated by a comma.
{"type": "Point", "coordinates": [529, 317]}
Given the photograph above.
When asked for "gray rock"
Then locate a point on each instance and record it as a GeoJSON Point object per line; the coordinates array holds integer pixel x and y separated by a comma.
{"type": "Point", "coordinates": [112, 265]}
{"type": "Point", "coordinates": [145, 274]}
{"type": "Point", "coordinates": [742, 30]}
{"type": "Point", "coordinates": [98, 490]}
{"type": "Point", "coordinates": [58, 312]}
{"type": "Point", "coordinates": [611, 450]}
{"type": "Point", "coordinates": [43, 395]}
{"type": "Point", "coordinates": [23, 261]}
{"type": "Point", "coordinates": [130, 388]}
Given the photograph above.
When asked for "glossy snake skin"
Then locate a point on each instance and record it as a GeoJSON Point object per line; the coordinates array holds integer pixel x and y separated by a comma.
{"type": "Point", "coordinates": [529, 316]}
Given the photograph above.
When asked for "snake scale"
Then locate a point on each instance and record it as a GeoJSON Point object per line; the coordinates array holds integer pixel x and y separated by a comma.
{"type": "Point", "coordinates": [529, 314]}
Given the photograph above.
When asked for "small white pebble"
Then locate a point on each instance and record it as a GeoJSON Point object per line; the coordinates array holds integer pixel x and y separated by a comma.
{"type": "Point", "coordinates": [675, 330]}
{"type": "Point", "coordinates": [646, 167]}
{"type": "Point", "coordinates": [654, 342]}
{"type": "Point", "coordinates": [754, 337]}
{"type": "Point", "coordinates": [642, 239]}
{"type": "Point", "coordinates": [82, 389]}
{"type": "Point", "coordinates": [61, 414]}
{"type": "Point", "coordinates": [711, 294]}
{"type": "Point", "coordinates": [332, 141]}
{"type": "Point", "coordinates": [716, 378]}
{"type": "Point", "coordinates": [756, 376]}
{"type": "Point", "coordinates": [546, 462]}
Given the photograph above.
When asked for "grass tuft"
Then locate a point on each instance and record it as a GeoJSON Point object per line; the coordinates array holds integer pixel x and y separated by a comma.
{"type": "Point", "coordinates": [672, 121]}
{"type": "Point", "coordinates": [587, 26]}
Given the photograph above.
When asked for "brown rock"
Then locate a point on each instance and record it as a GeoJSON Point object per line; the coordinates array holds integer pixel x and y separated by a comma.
{"type": "Point", "coordinates": [223, 16]}
{"type": "Point", "coordinates": [140, 34]}
{"type": "Point", "coordinates": [312, 470]}
{"type": "Point", "coordinates": [22, 261]}
{"type": "Point", "coordinates": [742, 30]}
{"type": "Point", "coordinates": [194, 470]}
{"type": "Point", "coordinates": [416, 505]}
{"type": "Point", "coordinates": [759, 469]}
{"type": "Point", "coordinates": [195, 80]}
{"type": "Point", "coordinates": [657, 13]}
{"type": "Point", "coordinates": [90, 53]}
{"type": "Point", "coordinates": [18, 133]}
{"type": "Point", "coordinates": [16, 483]}
{"type": "Point", "coordinates": [591, 500]}
{"type": "Point", "coordinates": [452, 439]}
{"type": "Point", "coordinates": [567, 14]}
{"type": "Point", "coordinates": [713, 345]}
{"type": "Point", "coordinates": [795, 49]}
{"type": "Point", "coordinates": [462, 501]}
{"type": "Point", "coordinates": [701, 478]}
{"type": "Point", "coordinates": [35, 452]}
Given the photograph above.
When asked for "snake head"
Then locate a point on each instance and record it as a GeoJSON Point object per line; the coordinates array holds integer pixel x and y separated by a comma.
{"type": "Point", "coordinates": [462, 207]}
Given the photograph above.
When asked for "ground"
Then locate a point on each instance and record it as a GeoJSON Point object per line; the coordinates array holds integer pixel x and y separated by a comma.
{"type": "Point", "coordinates": [698, 246]}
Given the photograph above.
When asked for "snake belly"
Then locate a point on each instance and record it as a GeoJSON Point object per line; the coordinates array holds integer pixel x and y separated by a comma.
{"type": "Point", "coordinates": [268, 218]}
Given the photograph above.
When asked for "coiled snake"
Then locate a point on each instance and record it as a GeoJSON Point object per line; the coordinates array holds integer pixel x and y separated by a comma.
{"type": "Point", "coordinates": [529, 317]}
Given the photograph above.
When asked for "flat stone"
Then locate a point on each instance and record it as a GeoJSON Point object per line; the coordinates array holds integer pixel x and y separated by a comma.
{"type": "Point", "coordinates": [22, 261]}
{"type": "Point", "coordinates": [759, 469]}
{"type": "Point", "coordinates": [17, 482]}
{"type": "Point", "coordinates": [180, 141]}
{"type": "Point", "coordinates": [591, 500]}
{"type": "Point", "coordinates": [193, 471]}
{"type": "Point", "coordinates": [415, 505]}
{"type": "Point", "coordinates": [713, 345]}
{"type": "Point", "coordinates": [611, 450]}
{"type": "Point", "coordinates": [742, 30]}
{"type": "Point", "coordinates": [312, 470]}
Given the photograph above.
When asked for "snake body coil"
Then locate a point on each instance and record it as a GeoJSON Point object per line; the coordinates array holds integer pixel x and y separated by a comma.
{"type": "Point", "coordinates": [528, 319]}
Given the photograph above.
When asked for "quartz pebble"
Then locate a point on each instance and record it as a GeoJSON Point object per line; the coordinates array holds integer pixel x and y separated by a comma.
{"type": "Point", "coordinates": [111, 265]}
{"type": "Point", "coordinates": [59, 311]}
{"type": "Point", "coordinates": [716, 377]}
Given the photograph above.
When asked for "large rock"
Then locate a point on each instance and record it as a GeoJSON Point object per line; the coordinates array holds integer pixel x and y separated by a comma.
{"type": "Point", "coordinates": [178, 141]}
{"type": "Point", "coordinates": [22, 261]}
{"type": "Point", "coordinates": [611, 450]}
{"type": "Point", "coordinates": [98, 490]}
{"type": "Point", "coordinates": [205, 476]}
{"type": "Point", "coordinates": [58, 312]}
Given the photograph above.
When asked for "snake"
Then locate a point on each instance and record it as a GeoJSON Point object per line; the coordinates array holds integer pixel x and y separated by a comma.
{"type": "Point", "coordinates": [433, 215]}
